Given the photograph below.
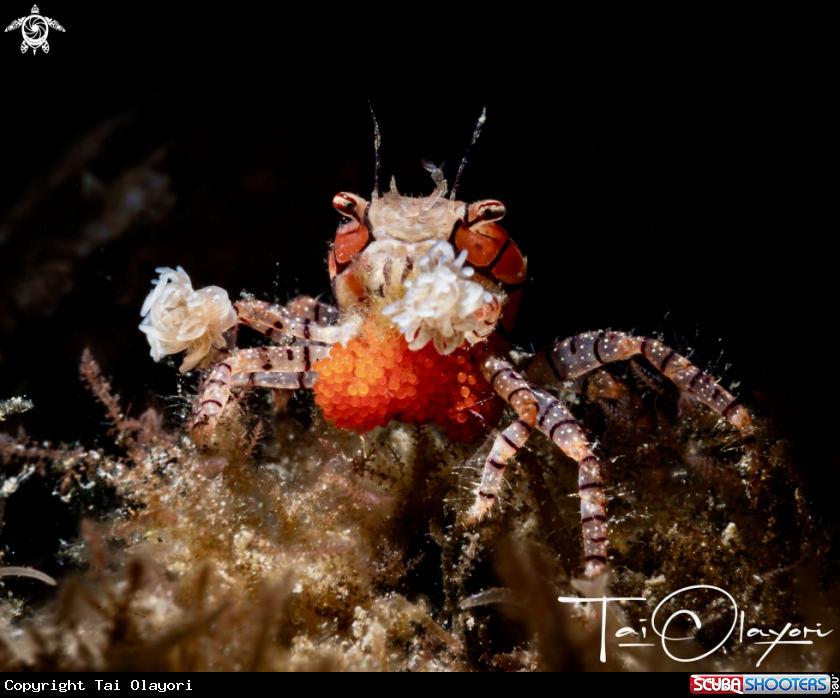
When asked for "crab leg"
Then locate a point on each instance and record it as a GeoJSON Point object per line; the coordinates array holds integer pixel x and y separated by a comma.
{"type": "Point", "coordinates": [308, 307]}
{"type": "Point", "coordinates": [515, 391]}
{"type": "Point", "coordinates": [263, 361]}
{"type": "Point", "coordinates": [579, 354]}
{"type": "Point", "coordinates": [279, 381]}
{"type": "Point", "coordinates": [558, 424]}
{"type": "Point", "coordinates": [273, 320]}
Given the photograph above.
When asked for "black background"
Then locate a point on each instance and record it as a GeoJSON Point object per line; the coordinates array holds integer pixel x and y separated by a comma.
{"type": "Point", "coordinates": [671, 186]}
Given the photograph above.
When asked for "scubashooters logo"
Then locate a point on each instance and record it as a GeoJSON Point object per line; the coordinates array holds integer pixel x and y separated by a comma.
{"type": "Point", "coordinates": [35, 28]}
{"type": "Point", "coordinates": [762, 684]}
{"type": "Point", "coordinates": [787, 636]}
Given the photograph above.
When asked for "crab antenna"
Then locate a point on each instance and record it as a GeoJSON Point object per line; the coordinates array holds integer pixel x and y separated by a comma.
{"type": "Point", "coordinates": [377, 141]}
{"type": "Point", "coordinates": [478, 125]}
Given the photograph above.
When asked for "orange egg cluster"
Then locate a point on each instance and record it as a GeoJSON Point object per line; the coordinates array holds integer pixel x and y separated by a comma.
{"type": "Point", "coordinates": [377, 378]}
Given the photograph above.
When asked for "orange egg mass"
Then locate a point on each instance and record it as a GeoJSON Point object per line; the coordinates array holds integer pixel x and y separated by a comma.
{"type": "Point", "coordinates": [377, 378]}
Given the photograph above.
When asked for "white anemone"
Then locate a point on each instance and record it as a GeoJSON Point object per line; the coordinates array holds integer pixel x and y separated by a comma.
{"type": "Point", "coordinates": [441, 303]}
{"type": "Point", "coordinates": [178, 318]}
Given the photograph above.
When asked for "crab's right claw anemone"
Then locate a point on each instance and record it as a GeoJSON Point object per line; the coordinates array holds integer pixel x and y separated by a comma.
{"type": "Point", "coordinates": [178, 318]}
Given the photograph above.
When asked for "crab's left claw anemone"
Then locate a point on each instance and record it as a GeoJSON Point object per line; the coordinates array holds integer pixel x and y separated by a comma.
{"type": "Point", "coordinates": [178, 318]}
{"type": "Point", "coordinates": [441, 303]}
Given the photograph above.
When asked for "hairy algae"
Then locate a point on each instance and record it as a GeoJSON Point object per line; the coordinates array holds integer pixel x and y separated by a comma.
{"type": "Point", "coordinates": [285, 544]}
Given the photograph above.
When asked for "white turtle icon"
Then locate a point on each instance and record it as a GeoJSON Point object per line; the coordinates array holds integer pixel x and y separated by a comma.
{"type": "Point", "coordinates": [35, 28]}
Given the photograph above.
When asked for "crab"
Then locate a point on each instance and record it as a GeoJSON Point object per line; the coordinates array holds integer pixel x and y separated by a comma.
{"type": "Point", "coordinates": [427, 289]}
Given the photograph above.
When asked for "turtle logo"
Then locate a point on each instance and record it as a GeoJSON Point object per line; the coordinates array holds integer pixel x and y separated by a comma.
{"type": "Point", "coordinates": [35, 28]}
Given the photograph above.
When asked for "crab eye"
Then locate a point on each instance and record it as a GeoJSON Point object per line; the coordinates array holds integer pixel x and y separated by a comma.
{"type": "Point", "coordinates": [346, 205]}
{"type": "Point", "coordinates": [489, 211]}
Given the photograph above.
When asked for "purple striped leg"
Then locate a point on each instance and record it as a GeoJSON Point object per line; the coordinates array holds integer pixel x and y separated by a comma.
{"type": "Point", "coordinates": [308, 307]}
{"type": "Point", "coordinates": [579, 354]}
{"type": "Point", "coordinates": [515, 391]}
{"type": "Point", "coordinates": [278, 381]}
{"type": "Point", "coordinates": [275, 320]}
{"type": "Point", "coordinates": [264, 363]}
{"type": "Point", "coordinates": [558, 424]}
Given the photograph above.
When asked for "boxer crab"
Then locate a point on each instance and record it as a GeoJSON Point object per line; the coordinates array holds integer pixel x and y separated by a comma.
{"type": "Point", "coordinates": [426, 290]}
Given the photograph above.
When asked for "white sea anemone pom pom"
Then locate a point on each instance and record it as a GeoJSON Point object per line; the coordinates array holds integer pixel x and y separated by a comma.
{"type": "Point", "coordinates": [441, 303]}
{"type": "Point", "coordinates": [177, 318]}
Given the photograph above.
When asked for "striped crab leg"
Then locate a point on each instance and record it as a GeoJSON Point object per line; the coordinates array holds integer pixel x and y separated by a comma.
{"type": "Point", "coordinates": [278, 381]}
{"type": "Point", "coordinates": [584, 352]}
{"type": "Point", "coordinates": [275, 320]}
{"type": "Point", "coordinates": [558, 424]}
{"type": "Point", "coordinates": [265, 362]}
{"type": "Point", "coordinates": [308, 307]}
{"type": "Point", "coordinates": [516, 392]}
{"type": "Point", "coordinates": [537, 409]}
